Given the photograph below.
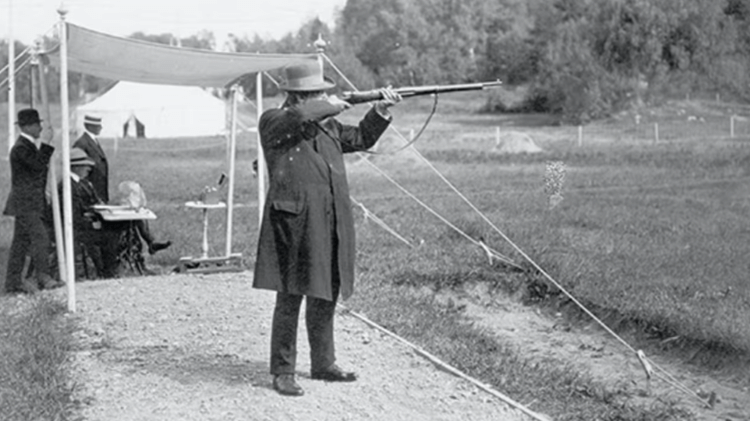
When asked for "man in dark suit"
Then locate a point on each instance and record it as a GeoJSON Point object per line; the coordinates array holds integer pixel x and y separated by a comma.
{"type": "Point", "coordinates": [88, 231]}
{"type": "Point", "coordinates": [89, 142]}
{"type": "Point", "coordinates": [29, 165]}
{"type": "Point", "coordinates": [306, 245]}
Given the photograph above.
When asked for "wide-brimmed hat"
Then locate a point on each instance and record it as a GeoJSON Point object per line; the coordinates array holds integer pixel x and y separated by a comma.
{"type": "Point", "coordinates": [78, 157]}
{"type": "Point", "coordinates": [90, 119]}
{"type": "Point", "coordinates": [305, 78]}
{"type": "Point", "coordinates": [28, 116]}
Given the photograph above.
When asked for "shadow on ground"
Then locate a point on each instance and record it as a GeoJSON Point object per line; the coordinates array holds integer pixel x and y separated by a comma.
{"type": "Point", "coordinates": [188, 368]}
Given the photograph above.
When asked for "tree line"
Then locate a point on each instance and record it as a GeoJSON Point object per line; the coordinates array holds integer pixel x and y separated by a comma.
{"type": "Point", "coordinates": [582, 59]}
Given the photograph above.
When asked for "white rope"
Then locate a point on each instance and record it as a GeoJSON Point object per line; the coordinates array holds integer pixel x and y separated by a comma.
{"type": "Point", "coordinates": [18, 69]}
{"type": "Point", "coordinates": [445, 366]}
{"type": "Point", "coordinates": [380, 222]}
{"type": "Point", "coordinates": [661, 373]}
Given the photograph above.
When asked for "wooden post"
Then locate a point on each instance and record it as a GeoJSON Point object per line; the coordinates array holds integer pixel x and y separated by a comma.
{"type": "Point", "coordinates": [11, 80]}
{"type": "Point", "coordinates": [65, 150]}
{"type": "Point", "coordinates": [232, 158]}
{"type": "Point", "coordinates": [261, 158]}
{"type": "Point", "coordinates": [656, 132]}
{"type": "Point", "coordinates": [731, 127]}
{"type": "Point", "coordinates": [580, 136]}
{"type": "Point", "coordinates": [52, 178]}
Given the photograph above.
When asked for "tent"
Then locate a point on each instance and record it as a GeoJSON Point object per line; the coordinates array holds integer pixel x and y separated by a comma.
{"type": "Point", "coordinates": [157, 110]}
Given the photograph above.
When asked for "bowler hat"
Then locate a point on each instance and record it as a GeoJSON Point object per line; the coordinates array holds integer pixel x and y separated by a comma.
{"type": "Point", "coordinates": [28, 116]}
{"type": "Point", "coordinates": [305, 77]}
{"type": "Point", "coordinates": [78, 157]}
{"type": "Point", "coordinates": [90, 119]}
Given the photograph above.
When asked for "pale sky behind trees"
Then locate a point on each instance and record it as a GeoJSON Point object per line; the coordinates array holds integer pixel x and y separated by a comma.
{"type": "Point", "coordinates": [266, 18]}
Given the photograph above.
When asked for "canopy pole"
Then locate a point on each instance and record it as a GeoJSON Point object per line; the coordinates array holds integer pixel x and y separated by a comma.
{"type": "Point", "coordinates": [232, 157]}
{"type": "Point", "coordinates": [261, 158]}
{"type": "Point", "coordinates": [11, 79]}
{"type": "Point", "coordinates": [65, 146]}
{"type": "Point", "coordinates": [52, 176]}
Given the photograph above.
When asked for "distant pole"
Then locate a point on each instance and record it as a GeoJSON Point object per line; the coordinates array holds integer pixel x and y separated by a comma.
{"type": "Point", "coordinates": [11, 79]}
{"type": "Point", "coordinates": [232, 156]}
{"type": "Point", "coordinates": [580, 136]}
{"type": "Point", "coordinates": [731, 126]}
{"type": "Point", "coordinates": [497, 136]}
{"type": "Point", "coordinates": [656, 132]}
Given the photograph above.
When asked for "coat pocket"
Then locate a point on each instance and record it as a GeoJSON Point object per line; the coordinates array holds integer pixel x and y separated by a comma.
{"type": "Point", "coordinates": [288, 206]}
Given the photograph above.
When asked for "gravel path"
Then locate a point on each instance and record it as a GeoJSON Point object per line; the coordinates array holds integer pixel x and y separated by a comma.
{"type": "Point", "coordinates": [184, 347]}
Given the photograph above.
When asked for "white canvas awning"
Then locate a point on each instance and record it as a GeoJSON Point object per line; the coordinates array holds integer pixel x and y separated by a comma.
{"type": "Point", "coordinates": [116, 58]}
{"type": "Point", "coordinates": [93, 53]}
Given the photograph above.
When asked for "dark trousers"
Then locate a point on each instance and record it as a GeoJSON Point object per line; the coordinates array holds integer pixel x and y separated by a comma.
{"type": "Point", "coordinates": [101, 247]}
{"type": "Point", "coordinates": [29, 239]}
{"type": "Point", "coordinates": [319, 320]}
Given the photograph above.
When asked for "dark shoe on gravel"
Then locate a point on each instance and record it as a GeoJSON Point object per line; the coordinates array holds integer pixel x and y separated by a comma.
{"type": "Point", "coordinates": [154, 247]}
{"type": "Point", "coordinates": [285, 384]}
{"type": "Point", "coordinates": [333, 374]}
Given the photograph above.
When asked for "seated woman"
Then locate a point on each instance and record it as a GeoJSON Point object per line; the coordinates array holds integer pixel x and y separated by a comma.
{"type": "Point", "coordinates": [131, 195]}
{"type": "Point", "coordinates": [101, 240]}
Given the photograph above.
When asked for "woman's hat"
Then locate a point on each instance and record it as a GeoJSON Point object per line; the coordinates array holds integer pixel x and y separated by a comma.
{"type": "Point", "coordinates": [305, 78]}
{"type": "Point", "coordinates": [28, 116]}
{"type": "Point", "coordinates": [78, 157]}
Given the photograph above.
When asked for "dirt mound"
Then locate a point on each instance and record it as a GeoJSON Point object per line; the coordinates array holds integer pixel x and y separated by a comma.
{"type": "Point", "coordinates": [516, 142]}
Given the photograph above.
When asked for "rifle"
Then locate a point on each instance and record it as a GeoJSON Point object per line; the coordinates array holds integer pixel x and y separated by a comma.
{"type": "Point", "coordinates": [374, 95]}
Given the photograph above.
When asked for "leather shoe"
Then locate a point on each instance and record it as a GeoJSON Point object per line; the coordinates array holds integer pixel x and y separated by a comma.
{"type": "Point", "coordinates": [47, 282]}
{"type": "Point", "coordinates": [333, 374]}
{"type": "Point", "coordinates": [154, 247]}
{"type": "Point", "coordinates": [286, 385]}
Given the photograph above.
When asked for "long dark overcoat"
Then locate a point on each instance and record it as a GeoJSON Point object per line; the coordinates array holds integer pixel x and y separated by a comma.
{"type": "Point", "coordinates": [99, 175]}
{"type": "Point", "coordinates": [28, 169]}
{"type": "Point", "coordinates": [307, 210]}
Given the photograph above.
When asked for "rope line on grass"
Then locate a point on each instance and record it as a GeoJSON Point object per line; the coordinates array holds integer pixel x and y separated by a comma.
{"type": "Point", "coordinates": [662, 374]}
{"type": "Point", "coordinates": [478, 243]}
{"type": "Point", "coordinates": [380, 222]}
{"type": "Point", "coordinates": [411, 147]}
{"type": "Point", "coordinates": [447, 367]}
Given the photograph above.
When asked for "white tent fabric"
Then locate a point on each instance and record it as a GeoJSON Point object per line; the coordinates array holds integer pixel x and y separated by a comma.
{"type": "Point", "coordinates": [164, 110]}
{"type": "Point", "coordinates": [115, 58]}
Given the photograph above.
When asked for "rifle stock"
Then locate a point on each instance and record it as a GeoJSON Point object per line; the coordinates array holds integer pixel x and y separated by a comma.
{"type": "Point", "coordinates": [410, 91]}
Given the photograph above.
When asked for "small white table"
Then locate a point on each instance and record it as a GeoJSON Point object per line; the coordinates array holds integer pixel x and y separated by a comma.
{"type": "Point", "coordinates": [205, 207]}
{"type": "Point", "coordinates": [205, 264]}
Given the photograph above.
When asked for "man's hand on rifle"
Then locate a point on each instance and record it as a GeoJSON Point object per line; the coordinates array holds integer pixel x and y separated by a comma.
{"type": "Point", "coordinates": [334, 100]}
{"type": "Point", "coordinates": [390, 98]}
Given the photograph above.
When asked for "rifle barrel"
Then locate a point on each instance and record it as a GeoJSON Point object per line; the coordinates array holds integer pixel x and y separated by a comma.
{"type": "Point", "coordinates": [406, 92]}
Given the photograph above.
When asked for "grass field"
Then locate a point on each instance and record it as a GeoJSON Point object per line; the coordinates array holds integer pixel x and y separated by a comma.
{"type": "Point", "coordinates": [655, 232]}
{"type": "Point", "coordinates": [652, 233]}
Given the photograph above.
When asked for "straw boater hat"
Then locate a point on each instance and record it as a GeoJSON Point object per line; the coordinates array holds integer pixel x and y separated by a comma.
{"type": "Point", "coordinates": [79, 158]}
{"type": "Point", "coordinates": [90, 119]}
{"type": "Point", "coordinates": [28, 116]}
{"type": "Point", "coordinates": [305, 77]}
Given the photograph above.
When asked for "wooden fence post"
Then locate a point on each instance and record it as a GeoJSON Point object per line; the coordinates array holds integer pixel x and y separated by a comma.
{"type": "Point", "coordinates": [580, 136]}
{"type": "Point", "coordinates": [656, 132]}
